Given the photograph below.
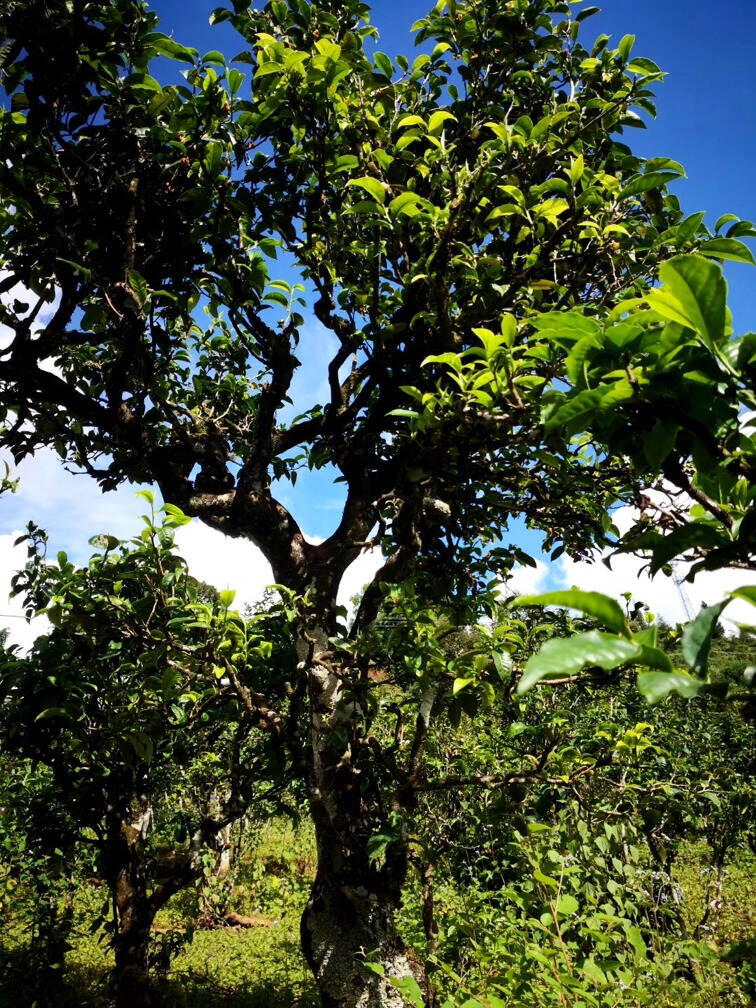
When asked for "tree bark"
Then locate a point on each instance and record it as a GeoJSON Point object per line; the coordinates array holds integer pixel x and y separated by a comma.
{"type": "Point", "coordinates": [134, 909]}
{"type": "Point", "coordinates": [350, 916]}
{"type": "Point", "coordinates": [131, 977]}
{"type": "Point", "coordinates": [342, 926]}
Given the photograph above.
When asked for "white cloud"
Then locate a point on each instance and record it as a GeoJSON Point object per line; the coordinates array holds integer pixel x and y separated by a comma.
{"type": "Point", "coordinates": [70, 507]}
{"type": "Point", "coordinates": [357, 575]}
{"type": "Point", "coordinates": [238, 564]}
{"type": "Point", "coordinates": [225, 562]}
{"type": "Point", "coordinates": [25, 296]}
{"type": "Point", "coordinates": [12, 559]}
{"type": "Point", "coordinates": [527, 580]}
{"type": "Point", "coordinates": [660, 593]}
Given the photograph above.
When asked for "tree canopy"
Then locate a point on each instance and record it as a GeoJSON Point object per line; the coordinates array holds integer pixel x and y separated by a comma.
{"type": "Point", "coordinates": [477, 236]}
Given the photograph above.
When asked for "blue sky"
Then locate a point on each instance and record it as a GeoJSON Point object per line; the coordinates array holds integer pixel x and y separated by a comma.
{"type": "Point", "coordinates": [707, 120]}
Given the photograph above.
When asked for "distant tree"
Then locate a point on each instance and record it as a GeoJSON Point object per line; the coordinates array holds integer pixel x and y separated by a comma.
{"type": "Point", "coordinates": [433, 209]}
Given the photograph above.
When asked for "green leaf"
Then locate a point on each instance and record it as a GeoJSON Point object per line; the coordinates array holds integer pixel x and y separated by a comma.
{"type": "Point", "coordinates": [409, 989]}
{"type": "Point", "coordinates": [384, 64]}
{"type": "Point", "coordinates": [139, 287]}
{"type": "Point", "coordinates": [374, 967]}
{"type": "Point", "coordinates": [643, 66]}
{"type": "Point", "coordinates": [411, 120]}
{"type": "Point", "coordinates": [567, 904]}
{"type": "Point", "coordinates": [576, 413]}
{"type": "Point", "coordinates": [503, 665]}
{"type": "Point", "coordinates": [565, 656]}
{"type": "Point", "coordinates": [635, 938]}
{"type": "Point", "coordinates": [52, 712]}
{"type": "Point", "coordinates": [603, 608]}
{"type": "Point", "coordinates": [644, 183]}
{"type": "Point", "coordinates": [371, 186]}
{"type": "Point", "coordinates": [277, 297]}
{"type": "Point", "coordinates": [624, 48]}
{"type": "Point", "coordinates": [409, 204]}
{"type": "Point", "coordinates": [546, 880]}
{"type": "Point", "coordinates": [727, 218]}
{"type": "Point", "coordinates": [173, 50]}
{"type": "Point", "coordinates": [655, 685]}
{"type": "Point", "coordinates": [437, 120]}
{"type": "Point", "coordinates": [659, 442]}
{"type": "Point", "coordinates": [695, 641]}
{"type": "Point", "coordinates": [728, 248]}
{"type": "Point", "coordinates": [694, 293]}
{"type": "Point", "coordinates": [176, 516]}
{"type": "Point", "coordinates": [226, 597]}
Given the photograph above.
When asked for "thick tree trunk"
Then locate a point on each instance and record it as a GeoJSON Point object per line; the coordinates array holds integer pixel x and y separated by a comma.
{"type": "Point", "coordinates": [131, 977]}
{"type": "Point", "coordinates": [135, 911]}
{"type": "Point", "coordinates": [342, 927]}
{"type": "Point", "coordinates": [350, 916]}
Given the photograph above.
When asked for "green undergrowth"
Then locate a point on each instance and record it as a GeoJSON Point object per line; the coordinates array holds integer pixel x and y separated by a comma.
{"type": "Point", "coordinates": [261, 965]}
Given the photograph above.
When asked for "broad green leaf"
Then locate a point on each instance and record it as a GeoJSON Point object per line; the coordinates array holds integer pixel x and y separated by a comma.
{"type": "Point", "coordinates": [659, 442]}
{"type": "Point", "coordinates": [694, 294]}
{"type": "Point", "coordinates": [727, 248]}
{"type": "Point", "coordinates": [576, 413]}
{"type": "Point", "coordinates": [53, 712]}
{"type": "Point", "coordinates": [503, 665]}
{"type": "Point", "coordinates": [696, 637]}
{"type": "Point", "coordinates": [655, 685]}
{"type": "Point", "coordinates": [371, 186]}
{"type": "Point", "coordinates": [544, 879]}
{"type": "Point", "coordinates": [567, 904]}
{"type": "Point", "coordinates": [409, 204]}
{"type": "Point", "coordinates": [652, 656]}
{"type": "Point", "coordinates": [173, 50]}
{"type": "Point", "coordinates": [552, 208]}
{"type": "Point", "coordinates": [226, 597]}
{"type": "Point", "coordinates": [643, 66]}
{"type": "Point", "coordinates": [411, 120]}
{"type": "Point", "coordinates": [384, 64]}
{"type": "Point", "coordinates": [409, 989]}
{"type": "Point", "coordinates": [603, 608]}
{"type": "Point", "coordinates": [565, 656]}
{"type": "Point", "coordinates": [644, 183]}
{"type": "Point", "coordinates": [437, 120]}
{"type": "Point", "coordinates": [727, 218]}
{"type": "Point", "coordinates": [666, 547]}
{"type": "Point", "coordinates": [624, 48]}
{"type": "Point", "coordinates": [176, 515]}
{"type": "Point", "coordinates": [635, 938]}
